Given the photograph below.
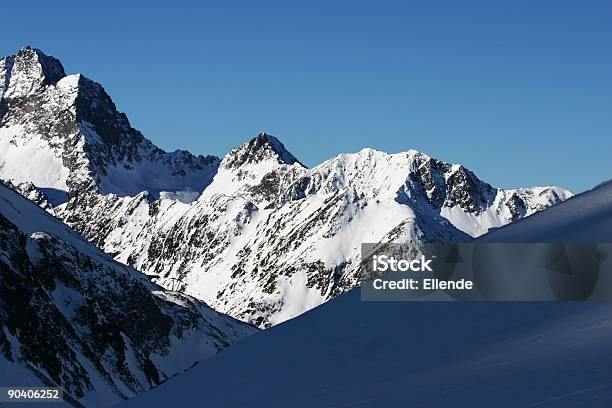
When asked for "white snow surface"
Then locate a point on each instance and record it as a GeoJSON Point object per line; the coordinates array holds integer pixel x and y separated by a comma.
{"type": "Point", "coordinates": [28, 158]}
{"type": "Point", "coordinates": [32, 220]}
{"type": "Point", "coordinates": [498, 214]}
{"type": "Point", "coordinates": [349, 353]}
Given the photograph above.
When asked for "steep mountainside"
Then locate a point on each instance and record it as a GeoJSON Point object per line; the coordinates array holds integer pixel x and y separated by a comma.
{"type": "Point", "coordinates": [64, 134]}
{"type": "Point", "coordinates": [72, 317]}
{"type": "Point", "coordinates": [425, 354]}
{"type": "Point", "coordinates": [585, 218]}
{"type": "Point", "coordinates": [261, 237]}
{"type": "Point", "coordinates": [269, 239]}
{"type": "Point", "coordinates": [349, 353]}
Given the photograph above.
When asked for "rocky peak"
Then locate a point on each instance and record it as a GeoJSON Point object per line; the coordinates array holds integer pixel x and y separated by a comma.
{"type": "Point", "coordinates": [448, 185]}
{"type": "Point", "coordinates": [75, 128]}
{"type": "Point", "coordinates": [28, 71]}
{"type": "Point", "coordinates": [263, 147]}
{"type": "Point", "coordinates": [467, 191]}
{"type": "Point", "coordinates": [51, 67]}
{"type": "Point", "coordinates": [95, 106]}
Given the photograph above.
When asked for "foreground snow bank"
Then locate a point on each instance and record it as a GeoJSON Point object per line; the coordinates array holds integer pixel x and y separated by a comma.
{"type": "Point", "coordinates": [419, 354]}
{"type": "Point", "coordinates": [586, 217]}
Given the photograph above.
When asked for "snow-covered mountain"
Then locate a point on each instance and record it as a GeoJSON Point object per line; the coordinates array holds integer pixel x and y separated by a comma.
{"type": "Point", "coordinates": [269, 239]}
{"type": "Point", "coordinates": [585, 218]}
{"type": "Point", "coordinates": [349, 353]}
{"type": "Point", "coordinates": [72, 317]}
{"type": "Point", "coordinates": [262, 237]}
{"type": "Point", "coordinates": [64, 134]}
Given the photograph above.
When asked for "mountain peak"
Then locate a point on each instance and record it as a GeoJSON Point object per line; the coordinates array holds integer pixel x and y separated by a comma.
{"type": "Point", "coordinates": [77, 131]}
{"type": "Point", "coordinates": [264, 135]}
{"type": "Point", "coordinates": [51, 67]}
{"type": "Point", "coordinates": [27, 71]}
{"type": "Point", "coordinates": [263, 147]}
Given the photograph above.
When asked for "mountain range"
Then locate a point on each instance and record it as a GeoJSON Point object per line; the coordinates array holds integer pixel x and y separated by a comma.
{"type": "Point", "coordinates": [72, 317]}
{"type": "Point", "coordinates": [350, 353]}
{"type": "Point", "coordinates": [256, 234]}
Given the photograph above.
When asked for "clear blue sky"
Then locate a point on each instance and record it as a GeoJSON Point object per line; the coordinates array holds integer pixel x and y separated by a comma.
{"type": "Point", "coordinates": [518, 91]}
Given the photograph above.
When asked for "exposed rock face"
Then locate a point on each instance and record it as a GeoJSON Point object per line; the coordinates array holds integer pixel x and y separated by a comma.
{"type": "Point", "coordinates": [81, 321]}
{"type": "Point", "coordinates": [29, 191]}
{"type": "Point", "coordinates": [259, 149]}
{"type": "Point", "coordinates": [262, 237]}
{"type": "Point", "coordinates": [268, 238]}
{"type": "Point", "coordinates": [64, 133]}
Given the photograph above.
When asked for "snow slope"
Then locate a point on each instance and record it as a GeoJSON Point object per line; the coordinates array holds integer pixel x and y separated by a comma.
{"type": "Point", "coordinates": [269, 239]}
{"type": "Point", "coordinates": [586, 217]}
{"type": "Point", "coordinates": [70, 316]}
{"type": "Point", "coordinates": [349, 353]}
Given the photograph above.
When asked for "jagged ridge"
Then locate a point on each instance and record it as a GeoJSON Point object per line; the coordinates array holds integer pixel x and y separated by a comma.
{"type": "Point", "coordinates": [267, 238]}
{"type": "Point", "coordinates": [81, 321]}
{"type": "Point", "coordinates": [68, 128]}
